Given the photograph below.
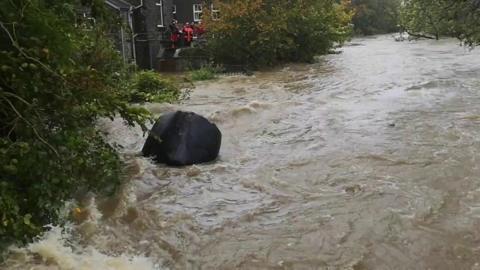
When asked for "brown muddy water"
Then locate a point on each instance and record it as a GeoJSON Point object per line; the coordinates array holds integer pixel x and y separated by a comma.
{"type": "Point", "coordinates": [368, 159]}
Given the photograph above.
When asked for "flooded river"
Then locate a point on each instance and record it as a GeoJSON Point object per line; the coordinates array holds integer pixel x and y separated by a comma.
{"type": "Point", "coordinates": [368, 159]}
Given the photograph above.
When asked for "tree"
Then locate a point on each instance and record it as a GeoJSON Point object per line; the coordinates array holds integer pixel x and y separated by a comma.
{"type": "Point", "coordinates": [267, 32]}
{"type": "Point", "coordinates": [59, 74]}
{"type": "Point", "coordinates": [434, 18]}
{"type": "Point", "coordinates": [425, 18]}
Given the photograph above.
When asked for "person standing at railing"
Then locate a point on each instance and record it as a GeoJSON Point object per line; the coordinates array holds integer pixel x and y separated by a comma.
{"type": "Point", "coordinates": [174, 34]}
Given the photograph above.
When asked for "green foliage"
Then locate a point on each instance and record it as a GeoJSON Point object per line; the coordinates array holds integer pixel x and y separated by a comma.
{"type": "Point", "coordinates": [376, 16]}
{"type": "Point", "coordinates": [35, 182]}
{"type": "Point", "coordinates": [267, 32]}
{"type": "Point", "coordinates": [434, 18]}
{"type": "Point", "coordinates": [58, 75]}
{"type": "Point", "coordinates": [149, 86]}
{"type": "Point", "coordinates": [205, 73]}
{"type": "Point", "coordinates": [425, 18]}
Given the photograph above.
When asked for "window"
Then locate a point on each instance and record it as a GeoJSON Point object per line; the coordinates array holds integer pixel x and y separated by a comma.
{"type": "Point", "coordinates": [215, 13]}
{"type": "Point", "coordinates": [197, 12]}
{"type": "Point", "coordinates": [159, 4]}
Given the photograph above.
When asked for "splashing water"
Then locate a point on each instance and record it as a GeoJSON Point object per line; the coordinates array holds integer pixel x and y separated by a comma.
{"type": "Point", "coordinates": [59, 249]}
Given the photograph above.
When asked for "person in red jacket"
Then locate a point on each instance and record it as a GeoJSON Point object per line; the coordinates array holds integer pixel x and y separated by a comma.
{"type": "Point", "coordinates": [188, 34]}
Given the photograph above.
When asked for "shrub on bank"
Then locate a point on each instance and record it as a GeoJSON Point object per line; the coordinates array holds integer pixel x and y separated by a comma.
{"type": "Point", "coordinates": [149, 86]}
{"type": "Point", "coordinates": [265, 32]}
{"type": "Point", "coordinates": [205, 73]}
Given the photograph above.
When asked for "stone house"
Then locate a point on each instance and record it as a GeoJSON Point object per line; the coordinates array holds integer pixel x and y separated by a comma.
{"type": "Point", "coordinates": [144, 37]}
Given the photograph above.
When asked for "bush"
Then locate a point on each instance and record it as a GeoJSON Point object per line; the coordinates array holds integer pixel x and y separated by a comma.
{"type": "Point", "coordinates": [203, 74]}
{"type": "Point", "coordinates": [36, 182]}
{"type": "Point", "coordinates": [266, 32]}
{"type": "Point", "coordinates": [149, 86]}
{"type": "Point", "coordinates": [59, 75]}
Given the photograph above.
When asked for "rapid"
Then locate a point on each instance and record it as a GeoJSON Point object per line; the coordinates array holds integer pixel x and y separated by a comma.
{"type": "Point", "coordinates": [366, 159]}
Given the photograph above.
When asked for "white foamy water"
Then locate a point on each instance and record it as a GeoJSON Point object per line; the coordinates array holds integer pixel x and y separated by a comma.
{"type": "Point", "coordinates": [61, 249]}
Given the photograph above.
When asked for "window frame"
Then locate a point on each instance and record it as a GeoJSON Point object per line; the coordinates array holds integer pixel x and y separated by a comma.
{"type": "Point", "coordinates": [197, 12]}
{"type": "Point", "coordinates": [215, 12]}
{"type": "Point", "coordinates": [159, 4]}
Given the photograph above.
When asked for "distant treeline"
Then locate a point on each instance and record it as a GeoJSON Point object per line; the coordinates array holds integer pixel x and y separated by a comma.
{"type": "Point", "coordinates": [376, 16]}
{"type": "Point", "coordinates": [421, 18]}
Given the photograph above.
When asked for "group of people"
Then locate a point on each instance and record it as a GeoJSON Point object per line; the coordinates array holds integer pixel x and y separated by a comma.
{"type": "Point", "coordinates": [183, 36]}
